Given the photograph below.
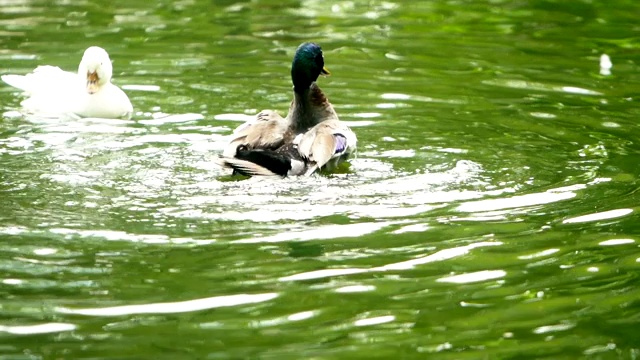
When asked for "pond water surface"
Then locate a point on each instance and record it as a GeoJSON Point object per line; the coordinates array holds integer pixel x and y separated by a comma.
{"type": "Point", "coordinates": [491, 211]}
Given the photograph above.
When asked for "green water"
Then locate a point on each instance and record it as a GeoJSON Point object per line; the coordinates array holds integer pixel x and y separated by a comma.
{"type": "Point", "coordinates": [491, 212]}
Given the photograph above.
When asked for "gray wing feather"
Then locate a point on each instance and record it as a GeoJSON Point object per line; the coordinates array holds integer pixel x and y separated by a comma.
{"type": "Point", "coordinates": [319, 144]}
{"type": "Point", "coordinates": [266, 131]}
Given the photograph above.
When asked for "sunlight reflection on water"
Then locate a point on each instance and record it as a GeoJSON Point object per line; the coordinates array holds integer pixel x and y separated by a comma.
{"type": "Point", "coordinates": [173, 307]}
{"type": "Point", "coordinates": [473, 277]}
{"type": "Point", "coordinates": [37, 329]}
{"type": "Point", "coordinates": [441, 255]}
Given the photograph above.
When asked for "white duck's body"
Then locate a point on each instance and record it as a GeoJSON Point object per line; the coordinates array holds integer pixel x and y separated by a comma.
{"type": "Point", "coordinates": [88, 93]}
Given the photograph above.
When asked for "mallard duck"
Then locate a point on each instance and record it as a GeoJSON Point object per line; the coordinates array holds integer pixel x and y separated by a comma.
{"type": "Point", "coordinates": [310, 138]}
{"type": "Point", "coordinates": [88, 93]}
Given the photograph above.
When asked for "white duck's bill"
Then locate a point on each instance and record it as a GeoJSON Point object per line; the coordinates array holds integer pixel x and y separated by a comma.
{"type": "Point", "coordinates": [92, 82]}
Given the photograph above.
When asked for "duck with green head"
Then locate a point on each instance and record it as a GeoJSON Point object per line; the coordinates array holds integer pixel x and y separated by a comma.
{"type": "Point", "coordinates": [310, 138]}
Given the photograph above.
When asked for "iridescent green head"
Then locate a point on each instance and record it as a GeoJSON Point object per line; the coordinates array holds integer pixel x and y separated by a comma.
{"type": "Point", "coordinates": [308, 64]}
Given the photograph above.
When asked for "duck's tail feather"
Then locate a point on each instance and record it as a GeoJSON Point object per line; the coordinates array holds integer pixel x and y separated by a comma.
{"type": "Point", "coordinates": [272, 161]}
{"type": "Point", "coordinates": [17, 81]}
{"type": "Point", "coordinates": [257, 162]}
{"type": "Point", "coordinates": [262, 162]}
{"type": "Point", "coordinates": [244, 167]}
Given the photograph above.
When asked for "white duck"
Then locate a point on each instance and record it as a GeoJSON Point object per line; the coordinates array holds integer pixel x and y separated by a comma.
{"type": "Point", "coordinates": [89, 93]}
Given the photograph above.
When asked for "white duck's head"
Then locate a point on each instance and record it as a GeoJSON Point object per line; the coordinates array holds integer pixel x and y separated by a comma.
{"type": "Point", "coordinates": [97, 68]}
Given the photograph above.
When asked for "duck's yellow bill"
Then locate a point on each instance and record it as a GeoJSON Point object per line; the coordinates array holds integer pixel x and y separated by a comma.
{"type": "Point", "coordinates": [325, 71]}
{"type": "Point", "coordinates": [92, 82]}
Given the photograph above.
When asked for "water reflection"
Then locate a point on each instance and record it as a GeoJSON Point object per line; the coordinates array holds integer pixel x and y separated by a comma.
{"type": "Point", "coordinates": [611, 214]}
{"type": "Point", "coordinates": [173, 307]}
{"type": "Point", "coordinates": [441, 255]}
{"type": "Point", "coordinates": [37, 329]}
